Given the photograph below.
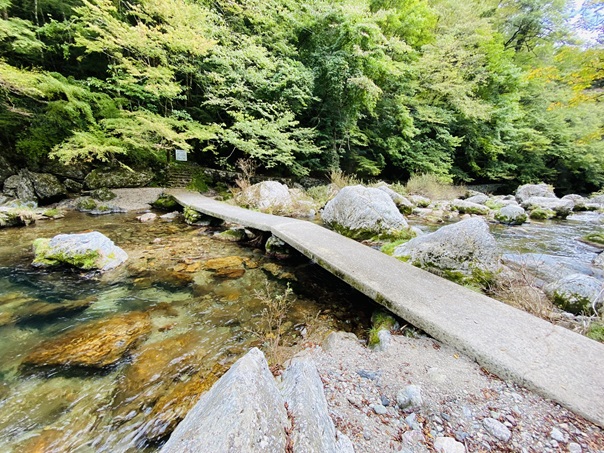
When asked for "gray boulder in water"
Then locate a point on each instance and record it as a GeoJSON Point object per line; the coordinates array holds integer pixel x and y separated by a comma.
{"type": "Point", "coordinates": [511, 215]}
{"type": "Point", "coordinates": [562, 208]}
{"type": "Point", "coordinates": [464, 249]}
{"type": "Point", "coordinates": [527, 191]}
{"type": "Point", "coordinates": [87, 251]}
{"type": "Point", "coordinates": [362, 212]}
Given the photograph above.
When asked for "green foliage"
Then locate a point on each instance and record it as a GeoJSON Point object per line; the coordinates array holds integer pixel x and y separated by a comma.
{"type": "Point", "coordinates": [596, 331]}
{"type": "Point", "coordinates": [596, 237]}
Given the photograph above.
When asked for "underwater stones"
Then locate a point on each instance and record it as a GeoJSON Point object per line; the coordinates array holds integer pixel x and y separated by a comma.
{"type": "Point", "coordinates": [85, 251]}
{"type": "Point", "coordinates": [227, 267]}
{"type": "Point", "coordinates": [577, 293]}
{"type": "Point", "coordinates": [464, 249]}
{"type": "Point", "coordinates": [96, 344]}
{"type": "Point", "coordinates": [17, 307]}
{"type": "Point", "coordinates": [527, 191]}
{"type": "Point", "coordinates": [511, 215]}
{"type": "Point", "coordinates": [361, 213]}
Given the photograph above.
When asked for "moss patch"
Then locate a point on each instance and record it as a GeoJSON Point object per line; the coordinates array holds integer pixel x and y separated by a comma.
{"type": "Point", "coordinates": [542, 214]}
{"type": "Point", "coordinates": [573, 304]}
{"type": "Point", "coordinates": [596, 332]}
{"type": "Point", "coordinates": [46, 257]}
{"type": "Point", "coordinates": [596, 238]}
{"type": "Point", "coordinates": [165, 203]}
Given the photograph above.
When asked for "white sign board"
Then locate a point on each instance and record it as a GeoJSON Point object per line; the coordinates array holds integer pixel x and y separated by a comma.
{"type": "Point", "coordinates": [181, 154]}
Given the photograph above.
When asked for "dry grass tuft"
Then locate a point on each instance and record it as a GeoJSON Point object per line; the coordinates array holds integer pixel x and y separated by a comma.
{"type": "Point", "coordinates": [434, 187]}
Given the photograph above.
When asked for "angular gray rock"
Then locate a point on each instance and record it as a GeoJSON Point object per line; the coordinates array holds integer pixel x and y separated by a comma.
{"type": "Point", "coordinates": [579, 202]}
{"type": "Point", "coordinates": [511, 215]}
{"type": "Point", "coordinates": [86, 251]}
{"type": "Point", "coordinates": [302, 390]}
{"type": "Point", "coordinates": [527, 191]}
{"type": "Point", "coordinates": [19, 186]}
{"type": "Point", "coordinates": [464, 247]}
{"type": "Point", "coordinates": [577, 293]}
{"type": "Point", "coordinates": [46, 186]}
{"type": "Point", "coordinates": [497, 429]}
{"type": "Point", "coordinates": [362, 212]}
{"type": "Point", "coordinates": [242, 412]}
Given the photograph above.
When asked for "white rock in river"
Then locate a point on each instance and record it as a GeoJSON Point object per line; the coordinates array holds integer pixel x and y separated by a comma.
{"type": "Point", "coordinates": [527, 191]}
{"type": "Point", "coordinates": [361, 212]}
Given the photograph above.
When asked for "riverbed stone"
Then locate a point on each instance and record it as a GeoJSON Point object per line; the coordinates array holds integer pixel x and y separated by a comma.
{"type": "Point", "coordinates": [511, 215]}
{"type": "Point", "coordinates": [468, 207]}
{"type": "Point", "coordinates": [243, 411]}
{"type": "Point", "coordinates": [497, 429]}
{"type": "Point", "coordinates": [401, 202]}
{"type": "Point", "coordinates": [479, 198]}
{"type": "Point", "coordinates": [577, 293]}
{"type": "Point", "coordinates": [465, 249]}
{"type": "Point", "coordinates": [410, 397]}
{"type": "Point", "coordinates": [228, 267]}
{"type": "Point", "coordinates": [448, 445]}
{"type": "Point", "coordinates": [302, 389]}
{"type": "Point", "coordinates": [47, 187]}
{"type": "Point", "coordinates": [579, 202]}
{"type": "Point", "coordinates": [96, 344]}
{"type": "Point", "coordinates": [147, 217]}
{"type": "Point", "coordinates": [85, 251]}
{"type": "Point", "coordinates": [527, 191]}
{"type": "Point", "coordinates": [17, 307]}
{"type": "Point", "coordinates": [562, 208]}
{"type": "Point", "coordinates": [361, 213]}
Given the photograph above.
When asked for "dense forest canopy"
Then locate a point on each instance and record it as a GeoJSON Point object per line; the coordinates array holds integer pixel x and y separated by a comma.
{"type": "Point", "coordinates": [473, 91]}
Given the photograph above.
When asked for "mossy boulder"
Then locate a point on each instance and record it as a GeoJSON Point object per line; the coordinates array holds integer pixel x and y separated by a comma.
{"type": "Point", "coordinates": [511, 215]}
{"type": "Point", "coordinates": [165, 203]}
{"type": "Point", "coordinates": [86, 251]}
{"type": "Point", "coordinates": [11, 217]}
{"type": "Point", "coordinates": [595, 238]}
{"type": "Point", "coordinates": [561, 208]}
{"type": "Point", "coordinates": [114, 178]}
{"type": "Point", "coordinates": [362, 213]}
{"type": "Point", "coordinates": [465, 252]}
{"type": "Point", "coordinates": [468, 207]}
{"type": "Point", "coordinates": [527, 191]}
{"type": "Point", "coordinates": [103, 194]}
{"type": "Point", "coordinates": [577, 293]}
{"type": "Point", "coordinates": [542, 214]}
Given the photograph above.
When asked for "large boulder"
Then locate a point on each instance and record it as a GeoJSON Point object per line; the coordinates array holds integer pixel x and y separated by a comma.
{"type": "Point", "coordinates": [96, 344]}
{"type": "Point", "coordinates": [276, 198]}
{"type": "Point", "coordinates": [469, 207]}
{"type": "Point", "coordinates": [361, 212]}
{"type": "Point", "coordinates": [527, 191]}
{"type": "Point", "coordinates": [243, 411]}
{"type": "Point", "coordinates": [47, 187]}
{"type": "Point", "coordinates": [402, 203]}
{"type": "Point", "coordinates": [577, 293]}
{"type": "Point", "coordinates": [511, 215]}
{"type": "Point", "coordinates": [460, 251]}
{"type": "Point", "coordinates": [561, 208]}
{"type": "Point", "coordinates": [20, 186]}
{"type": "Point", "coordinates": [117, 177]}
{"type": "Point", "coordinates": [85, 251]}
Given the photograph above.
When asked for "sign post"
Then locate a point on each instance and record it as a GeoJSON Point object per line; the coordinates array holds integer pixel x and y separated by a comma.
{"type": "Point", "coordinates": [180, 155]}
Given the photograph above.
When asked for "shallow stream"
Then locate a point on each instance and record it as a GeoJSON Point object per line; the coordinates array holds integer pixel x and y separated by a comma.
{"type": "Point", "coordinates": [186, 325]}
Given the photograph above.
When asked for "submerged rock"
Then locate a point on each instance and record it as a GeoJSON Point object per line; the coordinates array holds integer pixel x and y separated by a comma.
{"type": "Point", "coordinates": [18, 307]}
{"type": "Point", "coordinates": [361, 213]}
{"type": "Point", "coordinates": [85, 251]}
{"type": "Point", "coordinates": [464, 249]}
{"type": "Point", "coordinates": [96, 344]}
{"type": "Point", "coordinates": [228, 267]}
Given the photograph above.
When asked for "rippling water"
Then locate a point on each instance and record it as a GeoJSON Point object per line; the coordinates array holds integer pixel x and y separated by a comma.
{"type": "Point", "coordinates": [198, 325]}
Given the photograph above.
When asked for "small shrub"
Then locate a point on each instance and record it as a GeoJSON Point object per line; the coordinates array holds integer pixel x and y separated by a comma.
{"type": "Point", "coordinates": [247, 168]}
{"type": "Point", "coordinates": [322, 194]}
{"type": "Point", "coordinates": [434, 187]}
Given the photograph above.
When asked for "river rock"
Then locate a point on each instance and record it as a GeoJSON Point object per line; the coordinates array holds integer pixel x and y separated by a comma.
{"type": "Point", "coordinates": [562, 208]}
{"type": "Point", "coordinates": [302, 390]}
{"type": "Point", "coordinates": [10, 217]}
{"type": "Point", "coordinates": [497, 429]}
{"type": "Point", "coordinates": [147, 217]}
{"type": "Point", "coordinates": [579, 202]}
{"type": "Point", "coordinates": [114, 178]}
{"type": "Point", "coordinates": [20, 186]}
{"type": "Point", "coordinates": [511, 215]}
{"type": "Point", "coordinates": [16, 307]}
{"type": "Point", "coordinates": [84, 250]}
{"type": "Point", "coordinates": [47, 187]}
{"type": "Point", "coordinates": [577, 293]}
{"type": "Point", "coordinates": [465, 248]}
{"type": "Point", "coordinates": [448, 445]}
{"type": "Point", "coordinates": [420, 201]}
{"type": "Point", "coordinates": [410, 397]}
{"type": "Point", "coordinates": [243, 411]}
{"type": "Point", "coordinates": [549, 268]}
{"type": "Point", "coordinates": [103, 194]}
{"type": "Point", "coordinates": [479, 198]}
{"type": "Point", "coordinates": [361, 212]}
{"type": "Point", "coordinates": [275, 198]}
{"type": "Point", "coordinates": [527, 191]}
{"type": "Point", "coordinates": [468, 207]}
{"type": "Point", "coordinates": [96, 344]}
{"type": "Point", "coordinates": [402, 203]}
